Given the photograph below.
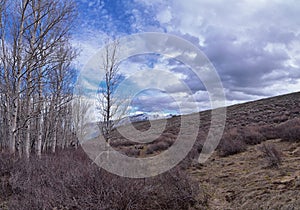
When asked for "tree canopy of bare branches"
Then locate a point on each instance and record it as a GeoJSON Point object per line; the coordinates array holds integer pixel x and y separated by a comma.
{"type": "Point", "coordinates": [35, 74]}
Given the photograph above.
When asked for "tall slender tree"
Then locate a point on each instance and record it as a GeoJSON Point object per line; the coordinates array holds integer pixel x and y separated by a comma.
{"type": "Point", "coordinates": [112, 107]}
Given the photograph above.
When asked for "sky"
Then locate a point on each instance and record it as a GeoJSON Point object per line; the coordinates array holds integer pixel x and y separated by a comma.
{"type": "Point", "coordinates": [254, 46]}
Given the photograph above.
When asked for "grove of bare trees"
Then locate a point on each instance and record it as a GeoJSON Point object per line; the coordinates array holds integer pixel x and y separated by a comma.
{"type": "Point", "coordinates": [36, 75]}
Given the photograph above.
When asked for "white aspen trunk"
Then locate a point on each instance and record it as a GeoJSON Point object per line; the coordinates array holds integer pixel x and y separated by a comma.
{"type": "Point", "coordinates": [28, 126]}
{"type": "Point", "coordinates": [8, 117]}
{"type": "Point", "coordinates": [40, 120]}
{"type": "Point", "coordinates": [19, 145]}
{"type": "Point", "coordinates": [63, 143]}
{"type": "Point", "coordinates": [13, 135]}
{"type": "Point", "coordinates": [54, 141]}
{"type": "Point", "coordinates": [27, 141]}
{"type": "Point", "coordinates": [39, 137]}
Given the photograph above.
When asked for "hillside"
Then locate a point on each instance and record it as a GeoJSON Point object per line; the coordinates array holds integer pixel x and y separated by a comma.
{"type": "Point", "coordinates": [244, 180]}
{"type": "Point", "coordinates": [240, 176]}
{"type": "Point", "coordinates": [263, 114]}
{"type": "Point", "coordinates": [265, 111]}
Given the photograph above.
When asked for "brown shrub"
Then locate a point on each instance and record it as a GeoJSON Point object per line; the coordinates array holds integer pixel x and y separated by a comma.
{"type": "Point", "coordinates": [121, 143]}
{"type": "Point", "coordinates": [268, 131]}
{"type": "Point", "coordinates": [272, 155]}
{"type": "Point", "coordinates": [231, 144]}
{"type": "Point", "coordinates": [155, 147]}
{"type": "Point", "coordinates": [280, 119]}
{"type": "Point", "coordinates": [251, 135]}
{"type": "Point", "coordinates": [169, 135]}
{"type": "Point", "coordinates": [169, 142]}
{"type": "Point", "coordinates": [165, 139]}
{"type": "Point", "coordinates": [132, 152]}
{"type": "Point", "coordinates": [289, 130]}
{"type": "Point", "coordinates": [149, 150]}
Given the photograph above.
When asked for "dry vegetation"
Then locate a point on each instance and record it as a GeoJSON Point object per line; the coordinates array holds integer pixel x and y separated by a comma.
{"type": "Point", "coordinates": [250, 180]}
{"type": "Point", "coordinates": [272, 155]}
{"type": "Point", "coordinates": [256, 166]}
{"type": "Point", "coordinates": [247, 124]}
{"type": "Point", "coordinates": [69, 180]}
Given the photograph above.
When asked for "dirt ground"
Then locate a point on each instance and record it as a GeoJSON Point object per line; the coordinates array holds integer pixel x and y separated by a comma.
{"type": "Point", "coordinates": [243, 181]}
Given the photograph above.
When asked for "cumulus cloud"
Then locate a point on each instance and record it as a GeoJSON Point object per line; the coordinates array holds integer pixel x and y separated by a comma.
{"type": "Point", "coordinates": [253, 45]}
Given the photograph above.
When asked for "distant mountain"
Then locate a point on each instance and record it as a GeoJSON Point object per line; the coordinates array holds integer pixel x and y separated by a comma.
{"type": "Point", "coordinates": [143, 117]}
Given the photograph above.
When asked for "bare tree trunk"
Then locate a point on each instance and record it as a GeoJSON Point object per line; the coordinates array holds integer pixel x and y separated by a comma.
{"type": "Point", "coordinates": [54, 140]}
{"type": "Point", "coordinates": [13, 135]}
{"type": "Point", "coordinates": [63, 142]}
{"type": "Point", "coordinates": [19, 145]}
{"type": "Point", "coordinates": [27, 141]}
{"type": "Point", "coordinates": [40, 121]}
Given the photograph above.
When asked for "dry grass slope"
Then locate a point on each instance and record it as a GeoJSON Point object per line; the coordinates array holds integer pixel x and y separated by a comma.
{"type": "Point", "coordinates": [246, 180]}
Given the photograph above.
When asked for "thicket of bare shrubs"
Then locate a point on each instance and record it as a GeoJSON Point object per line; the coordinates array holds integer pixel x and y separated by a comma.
{"type": "Point", "coordinates": [251, 135]}
{"type": "Point", "coordinates": [132, 152]}
{"type": "Point", "coordinates": [156, 147]}
{"type": "Point", "coordinates": [289, 130]}
{"type": "Point", "coordinates": [268, 131]}
{"type": "Point", "coordinates": [272, 155]}
{"type": "Point", "coordinates": [68, 180]}
{"type": "Point", "coordinates": [231, 143]}
{"type": "Point", "coordinates": [121, 143]}
{"type": "Point", "coordinates": [235, 140]}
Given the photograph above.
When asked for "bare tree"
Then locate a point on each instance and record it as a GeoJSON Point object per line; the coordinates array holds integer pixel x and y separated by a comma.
{"type": "Point", "coordinates": [111, 107]}
{"type": "Point", "coordinates": [81, 106]}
